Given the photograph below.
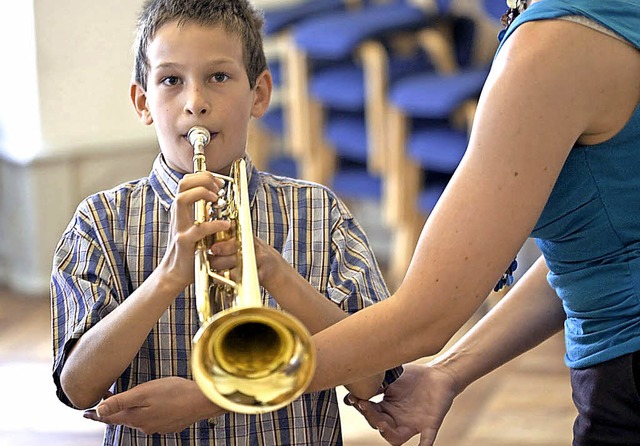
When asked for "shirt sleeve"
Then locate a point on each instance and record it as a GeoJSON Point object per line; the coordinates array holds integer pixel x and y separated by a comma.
{"type": "Point", "coordinates": [356, 281]}
{"type": "Point", "coordinates": [81, 289]}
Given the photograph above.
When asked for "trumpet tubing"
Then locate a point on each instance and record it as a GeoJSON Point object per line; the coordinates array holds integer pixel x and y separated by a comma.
{"type": "Point", "coordinates": [246, 357]}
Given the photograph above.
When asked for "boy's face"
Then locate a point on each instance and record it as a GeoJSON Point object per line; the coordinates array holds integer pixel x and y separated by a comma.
{"type": "Point", "coordinates": [197, 77]}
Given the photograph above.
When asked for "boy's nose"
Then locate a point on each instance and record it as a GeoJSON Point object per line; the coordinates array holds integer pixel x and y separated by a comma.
{"type": "Point", "coordinates": [196, 103]}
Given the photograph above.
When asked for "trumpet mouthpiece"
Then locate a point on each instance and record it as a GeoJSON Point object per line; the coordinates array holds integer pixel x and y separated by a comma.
{"type": "Point", "coordinates": [198, 136]}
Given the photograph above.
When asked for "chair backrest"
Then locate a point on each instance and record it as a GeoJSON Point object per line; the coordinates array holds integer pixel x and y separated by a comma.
{"type": "Point", "coordinates": [334, 37]}
{"type": "Point", "coordinates": [278, 18]}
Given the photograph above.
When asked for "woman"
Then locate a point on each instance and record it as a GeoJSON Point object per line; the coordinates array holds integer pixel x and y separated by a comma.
{"type": "Point", "coordinates": [554, 153]}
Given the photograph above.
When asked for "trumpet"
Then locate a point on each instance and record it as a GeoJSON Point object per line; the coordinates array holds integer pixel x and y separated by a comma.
{"type": "Point", "coordinates": [246, 357]}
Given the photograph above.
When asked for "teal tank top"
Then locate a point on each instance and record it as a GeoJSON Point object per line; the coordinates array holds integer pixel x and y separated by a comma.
{"type": "Point", "coordinates": [589, 231]}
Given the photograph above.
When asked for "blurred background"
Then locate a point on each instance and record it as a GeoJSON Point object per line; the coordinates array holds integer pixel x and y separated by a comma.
{"type": "Point", "coordinates": [373, 98]}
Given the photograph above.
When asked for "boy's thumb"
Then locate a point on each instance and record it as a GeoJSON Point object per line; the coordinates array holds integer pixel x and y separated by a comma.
{"type": "Point", "coordinates": [109, 406]}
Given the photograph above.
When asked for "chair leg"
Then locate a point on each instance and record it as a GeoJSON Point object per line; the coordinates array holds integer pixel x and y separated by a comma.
{"type": "Point", "coordinates": [297, 116]}
{"type": "Point", "coordinates": [304, 118]}
{"type": "Point", "coordinates": [259, 145]}
{"type": "Point", "coordinates": [392, 185]}
{"type": "Point", "coordinates": [375, 62]}
{"type": "Point", "coordinates": [405, 239]}
{"type": "Point", "coordinates": [402, 178]}
{"type": "Point", "coordinates": [317, 160]}
{"type": "Point", "coordinates": [437, 43]}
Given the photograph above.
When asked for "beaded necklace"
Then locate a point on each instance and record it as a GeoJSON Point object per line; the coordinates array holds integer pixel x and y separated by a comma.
{"type": "Point", "coordinates": [516, 7]}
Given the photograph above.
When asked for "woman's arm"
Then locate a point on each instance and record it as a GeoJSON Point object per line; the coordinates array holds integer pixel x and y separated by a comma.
{"type": "Point", "coordinates": [545, 91]}
{"type": "Point", "coordinates": [528, 315]}
{"type": "Point", "coordinates": [419, 400]}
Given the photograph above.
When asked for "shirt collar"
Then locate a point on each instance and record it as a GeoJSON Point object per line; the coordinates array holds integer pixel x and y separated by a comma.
{"type": "Point", "coordinates": [164, 180]}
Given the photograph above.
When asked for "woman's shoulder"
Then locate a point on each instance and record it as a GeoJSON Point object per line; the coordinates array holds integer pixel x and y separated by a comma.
{"type": "Point", "coordinates": [619, 16]}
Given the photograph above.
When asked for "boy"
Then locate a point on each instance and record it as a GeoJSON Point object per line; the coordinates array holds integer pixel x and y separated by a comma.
{"type": "Point", "coordinates": [122, 298]}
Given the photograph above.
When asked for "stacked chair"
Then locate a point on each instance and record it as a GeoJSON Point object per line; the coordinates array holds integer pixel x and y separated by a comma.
{"type": "Point", "coordinates": [348, 88]}
{"type": "Point", "coordinates": [265, 152]}
{"type": "Point", "coordinates": [376, 100]}
{"type": "Point", "coordinates": [338, 69]}
{"type": "Point", "coordinates": [429, 118]}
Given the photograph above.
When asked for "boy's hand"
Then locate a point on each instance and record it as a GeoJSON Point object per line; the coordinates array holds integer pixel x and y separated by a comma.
{"type": "Point", "coordinates": [416, 403]}
{"type": "Point", "coordinates": [178, 259]}
{"type": "Point", "coordinates": [272, 267]}
{"type": "Point", "coordinates": [269, 262]}
{"type": "Point", "coordinates": [160, 406]}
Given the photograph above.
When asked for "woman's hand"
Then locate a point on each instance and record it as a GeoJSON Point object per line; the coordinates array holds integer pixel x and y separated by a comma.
{"type": "Point", "coordinates": [159, 406]}
{"type": "Point", "coordinates": [416, 403]}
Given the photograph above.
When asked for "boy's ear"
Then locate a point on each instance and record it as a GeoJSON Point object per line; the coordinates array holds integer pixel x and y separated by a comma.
{"type": "Point", "coordinates": [139, 99]}
{"type": "Point", "coordinates": [263, 87]}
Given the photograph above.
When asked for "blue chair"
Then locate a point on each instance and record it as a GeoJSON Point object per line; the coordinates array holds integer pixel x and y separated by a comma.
{"type": "Point", "coordinates": [279, 18]}
{"type": "Point", "coordinates": [328, 67]}
{"type": "Point", "coordinates": [494, 9]}
{"type": "Point", "coordinates": [430, 117]}
{"type": "Point", "coordinates": [343, 80]}
{"type": "Point", "coordinates": [431, 101]}
{"type": "Point", "coordinates": [339, 89]}
{"type": "Point", "coordinates": [267, 137]}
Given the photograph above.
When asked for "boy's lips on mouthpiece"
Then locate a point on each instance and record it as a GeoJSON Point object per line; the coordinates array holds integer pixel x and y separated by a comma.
{"type": "Point", "coordinates": [212, 135]}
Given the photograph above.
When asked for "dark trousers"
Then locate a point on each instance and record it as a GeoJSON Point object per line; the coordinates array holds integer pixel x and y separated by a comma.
{"type": "Point", "coordinates": [607, 397]}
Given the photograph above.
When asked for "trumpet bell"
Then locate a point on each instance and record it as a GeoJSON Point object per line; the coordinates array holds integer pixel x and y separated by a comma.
{"type": "Point", "coordinates": [246, 357]}
{"type": "Point", "coordinates": [252, 359]}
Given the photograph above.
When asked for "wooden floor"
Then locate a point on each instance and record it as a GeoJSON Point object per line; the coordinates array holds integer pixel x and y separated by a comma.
{"type": "Point", "coordinates": [525, 403]}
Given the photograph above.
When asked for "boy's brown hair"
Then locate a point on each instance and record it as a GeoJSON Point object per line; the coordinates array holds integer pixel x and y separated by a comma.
{"type": "Point", "coordinates": [238, 17]}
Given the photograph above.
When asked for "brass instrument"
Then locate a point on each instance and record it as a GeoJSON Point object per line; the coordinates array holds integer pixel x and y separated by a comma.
{"type": "Point", "coordinates": [246, 357]}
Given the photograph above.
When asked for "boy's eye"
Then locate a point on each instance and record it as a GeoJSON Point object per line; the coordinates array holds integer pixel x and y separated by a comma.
{"type": "Point", "coordinates": [220, 77]}
{"type": "Point", "coordinates": [170, 80]}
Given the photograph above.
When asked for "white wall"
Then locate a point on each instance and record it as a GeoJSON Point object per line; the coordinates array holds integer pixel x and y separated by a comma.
{"type": "Point", "coordinates": [84, 67]}
{"type": "Point", "coordinates": [19, 103]}
{"type": "Point", "coordinates": [67, 128]}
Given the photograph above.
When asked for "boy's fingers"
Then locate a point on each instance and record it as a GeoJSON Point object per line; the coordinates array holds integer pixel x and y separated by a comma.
{"type": "Point", "coordinates": [91, 415]}
{"type": "Point", "coordinates": [115, 404]}
{"type": "Point", "coordinates": [349, 400]}
{"type": "Point", "coordinates": [225, 248]}
{"type": "Point", "coordinates": [203, 179]}
{"type": "Point", "coordinates": [370, 411]}
{"type": "Point", "coordinates": [222, 263]}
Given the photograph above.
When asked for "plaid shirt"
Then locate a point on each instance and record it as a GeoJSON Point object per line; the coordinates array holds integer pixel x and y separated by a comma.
{"type": "Point", "coordinates": [116, 239]}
